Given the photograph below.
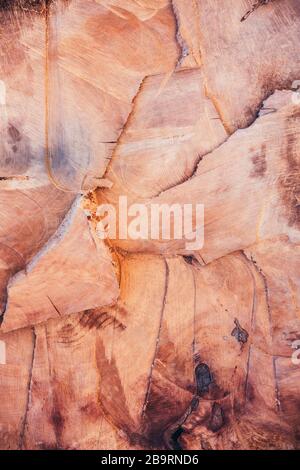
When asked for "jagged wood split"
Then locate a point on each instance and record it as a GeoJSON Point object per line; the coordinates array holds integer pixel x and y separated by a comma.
{"type": "Point", "coordinates": [142, 344]}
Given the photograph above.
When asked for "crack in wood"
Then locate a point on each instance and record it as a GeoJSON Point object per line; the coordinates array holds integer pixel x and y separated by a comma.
{"type": "Point", "coordinates": [246, 262]}
{"type": "Point", "coordinates": [54, 306]}
{"type": "Point", "coordinates": [148, 389]}
{"type": "Point", "coordinates": [126, 124]}
{"type": "Point", "coordinates": [56, 418]}
{"type": "Point", "coordinates": [197, 163]}
{"type": "Point", "coordinates": [254, 7]}
{"type": "Point", "coordinates": [200, 158]}
{"type": "Point", "coordinates": [184, 47]}
{"type": "Point", "coordinates": [175, 430]}
{"type": "Point", "coordinates": [51, 242]}
{"type": "Point", "coordinates": [14, 178]}
{"type": "Point", "coordinates": [28, 399]}
{"type": "Point", "coordinates": [267, 297]}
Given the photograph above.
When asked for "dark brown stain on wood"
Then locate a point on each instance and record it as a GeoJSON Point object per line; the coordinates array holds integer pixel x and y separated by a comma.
{"type": "Point", "coordinates": [46, 446]}
{"type": "Point", "coordinates": [289, 183]}
{"type": "Point", "coordinates": [203, 379]}
{"type": "Point", "coordinates": [27, 6]}
{"type": "Point", "coordinates": [93, 319]}
{"type": "Point", "coordinates": [250, 393]}
{"type": "Point", "coordinates": [14, 133]}
{"type": "Point", "coordinates": [216, 420]}
{"type": "Point", "coordinates": [162, 410]}
{"type": "Point", "coordinates": [192, 260]}
{"type": "Point", "coordinates": [189, 259]}
{"type": "Point", "coordinates": [194, 404]}
{"type": "Point", "coordinates": [175, 444]}
{"type": "Point", "coordinates": [259, 163]}
{"type": "Point", "coordinates": [239, 333]}
{"type": "Point", "coordinates": [205, 445]}
{"type": "Point", "coordinates": [18, 155]}
{"type": "Point", "coordinates": [58, 422]}
{"type": "Point", "coordinates": [111, 396]}
{"type": "Point", "coordinates": [92, 411]}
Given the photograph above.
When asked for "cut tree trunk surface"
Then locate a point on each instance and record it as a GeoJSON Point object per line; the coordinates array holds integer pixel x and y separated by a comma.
{"type": "Point", "coordinates": [145, 344]}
